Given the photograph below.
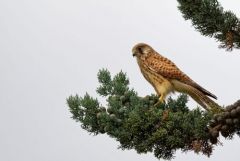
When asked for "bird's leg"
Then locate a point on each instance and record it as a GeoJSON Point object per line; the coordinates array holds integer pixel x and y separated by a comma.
{"type": "Point", "coordinates": [161, 100]}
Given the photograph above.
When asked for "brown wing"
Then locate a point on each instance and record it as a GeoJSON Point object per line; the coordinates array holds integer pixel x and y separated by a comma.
{"type": "Point", "coordinates": [168, 69]}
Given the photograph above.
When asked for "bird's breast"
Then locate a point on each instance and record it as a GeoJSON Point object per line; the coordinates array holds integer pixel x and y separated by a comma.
{"type": "Point", "coordinates": [160, 84]}
{"type": "Point", "coordinates": [150, 75]}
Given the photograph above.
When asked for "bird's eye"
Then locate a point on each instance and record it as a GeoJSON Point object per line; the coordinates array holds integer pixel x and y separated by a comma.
{"type": "Point", "coordinates": [140, 50]}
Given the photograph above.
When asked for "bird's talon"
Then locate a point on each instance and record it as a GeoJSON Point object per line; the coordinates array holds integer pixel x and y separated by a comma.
{"type": "Point", "coordinates": [162, 100]}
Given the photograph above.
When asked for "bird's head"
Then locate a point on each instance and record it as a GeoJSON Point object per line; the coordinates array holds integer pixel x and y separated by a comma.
{"type": "Point", "coordinates": [141, 50]}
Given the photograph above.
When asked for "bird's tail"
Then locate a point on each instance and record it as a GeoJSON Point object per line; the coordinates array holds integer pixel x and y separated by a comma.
{"type": "Point", "coordinates": [204, 100]}
{"type": "Point", "coordinates": [198, 96]}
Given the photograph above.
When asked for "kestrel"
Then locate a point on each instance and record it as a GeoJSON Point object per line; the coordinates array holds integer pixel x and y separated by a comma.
{"type": "Point", "coordinates": [166, 77]}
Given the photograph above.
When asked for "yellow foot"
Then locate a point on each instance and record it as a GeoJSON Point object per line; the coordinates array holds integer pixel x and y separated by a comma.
{"type": "Point", "coordinates": [161, 101]}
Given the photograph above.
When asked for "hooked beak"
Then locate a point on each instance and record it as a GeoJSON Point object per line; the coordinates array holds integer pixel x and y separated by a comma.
{"type": "Point", "coordinates": [135, 53]}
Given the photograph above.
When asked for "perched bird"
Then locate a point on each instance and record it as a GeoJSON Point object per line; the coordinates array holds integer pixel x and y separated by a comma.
{"type": "Point", "coordinates": [166, 77]}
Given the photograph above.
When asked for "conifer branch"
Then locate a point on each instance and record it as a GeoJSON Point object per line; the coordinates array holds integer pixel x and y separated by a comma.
{"type": "Point", "coordinates": [209, 18]}
{"type": "Point", "coordinates": [137, 124]}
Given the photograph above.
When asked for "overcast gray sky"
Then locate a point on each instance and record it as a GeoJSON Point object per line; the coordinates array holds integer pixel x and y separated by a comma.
{"type": "Point", "coordinates": [50, 49]}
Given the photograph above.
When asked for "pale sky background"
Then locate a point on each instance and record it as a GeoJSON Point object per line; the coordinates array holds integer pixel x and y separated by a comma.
{"type": "Point", "coordinates": [50, 49]}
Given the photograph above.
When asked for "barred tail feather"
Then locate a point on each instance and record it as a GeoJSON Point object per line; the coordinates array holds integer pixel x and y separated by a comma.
{"type": "Point", "coordinates": [202, 99]}
{"type": "Point", "coordinates": [197, 95]}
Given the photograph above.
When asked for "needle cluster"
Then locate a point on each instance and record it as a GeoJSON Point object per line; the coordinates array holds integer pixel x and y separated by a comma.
{"type": "Point", "coordinates": [209, 18]}
{"type": "Point", "coordinates": [137, 124]}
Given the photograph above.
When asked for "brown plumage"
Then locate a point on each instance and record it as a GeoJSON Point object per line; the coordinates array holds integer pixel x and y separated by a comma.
{"type": "Point", "coordinates": [166, 77]}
